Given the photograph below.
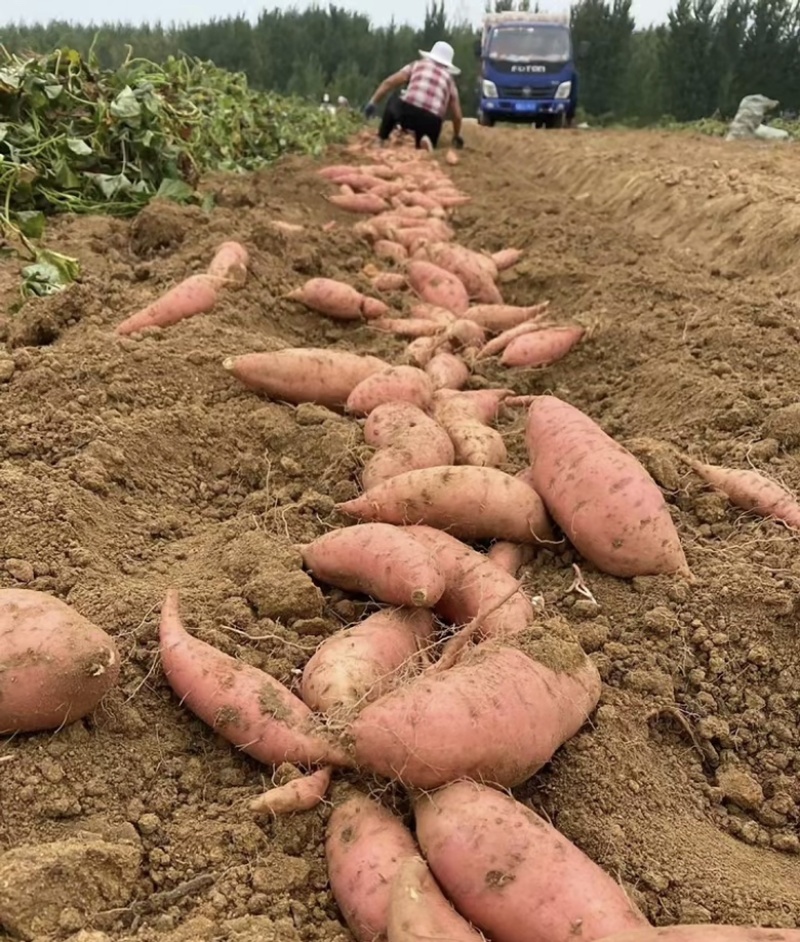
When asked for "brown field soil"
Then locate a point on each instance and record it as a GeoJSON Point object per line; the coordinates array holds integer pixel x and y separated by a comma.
{"type": "Point", "coordinates": [127, 465]}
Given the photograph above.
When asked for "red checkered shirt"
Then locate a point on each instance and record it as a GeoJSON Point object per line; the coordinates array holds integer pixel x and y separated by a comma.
{"type": "Point", "coordinates": [430, 87]}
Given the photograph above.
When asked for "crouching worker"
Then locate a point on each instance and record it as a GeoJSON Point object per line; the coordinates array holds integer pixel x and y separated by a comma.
{"type": "Point", "coordinates": [429, 97]}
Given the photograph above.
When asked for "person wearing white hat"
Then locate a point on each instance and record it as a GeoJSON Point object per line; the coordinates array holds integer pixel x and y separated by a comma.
{"type": "Point", "coordinates": [429, 97]}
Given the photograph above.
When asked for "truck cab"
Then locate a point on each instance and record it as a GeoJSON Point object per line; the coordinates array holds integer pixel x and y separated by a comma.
{"type": "Point", "coordinates": [527, 70]}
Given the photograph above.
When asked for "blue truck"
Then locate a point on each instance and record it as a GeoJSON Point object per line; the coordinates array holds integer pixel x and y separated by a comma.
{"type": "Point", "coordinates": [527, 70]}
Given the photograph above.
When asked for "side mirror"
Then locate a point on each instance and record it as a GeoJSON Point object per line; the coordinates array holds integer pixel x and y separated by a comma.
{"type": "Point", "coordinates": [583, 47]}
{"type": "Point", "coordinates": [478, 48]}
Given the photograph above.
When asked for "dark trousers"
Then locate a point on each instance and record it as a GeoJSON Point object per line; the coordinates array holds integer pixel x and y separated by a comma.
{"type": "Point", "coordinates": [419, 122]}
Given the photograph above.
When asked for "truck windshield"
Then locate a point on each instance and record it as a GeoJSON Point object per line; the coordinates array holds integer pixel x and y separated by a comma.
{"type": "Point", "coordinates": [536, 43]}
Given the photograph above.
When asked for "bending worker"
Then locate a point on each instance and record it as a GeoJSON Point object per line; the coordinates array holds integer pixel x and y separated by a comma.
{"type": "Point", "coordinates": [430, 95]}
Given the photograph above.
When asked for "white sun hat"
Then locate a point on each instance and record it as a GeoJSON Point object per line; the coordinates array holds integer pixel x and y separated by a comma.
{"type": "Point", "coordinates": [442, 53]}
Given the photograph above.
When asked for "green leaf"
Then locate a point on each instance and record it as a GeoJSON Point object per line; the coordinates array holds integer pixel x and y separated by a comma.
{"type": "Point", "coordinates": [31, 223]}
{"type": "Point", "coordinates": [53, 91]}
{"type": "Point", "coordinates": [78, 147]}
{"type": "Point", "coordinates": [177, 190]}
{"type": "Point", "coordinates": [126, 106]}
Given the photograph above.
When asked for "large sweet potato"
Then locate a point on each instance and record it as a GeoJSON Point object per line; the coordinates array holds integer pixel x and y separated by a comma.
{"type": "Point", "coordinates": [55, 665]}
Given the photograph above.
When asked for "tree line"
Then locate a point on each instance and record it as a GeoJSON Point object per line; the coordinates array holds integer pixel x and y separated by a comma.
{"type": "Point", "coordinates": [702, 61]}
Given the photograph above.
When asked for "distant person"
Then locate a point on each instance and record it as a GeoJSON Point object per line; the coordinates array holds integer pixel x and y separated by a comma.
{"type": "Point", "coordinates": [326, 104]}
{"type": "Point", "coordinates": [429, 97]}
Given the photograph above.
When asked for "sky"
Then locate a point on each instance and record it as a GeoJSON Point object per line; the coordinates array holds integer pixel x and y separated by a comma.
{"type": "Point", "coordinates": [646, 12]}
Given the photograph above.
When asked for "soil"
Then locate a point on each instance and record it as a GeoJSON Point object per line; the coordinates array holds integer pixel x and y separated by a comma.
{"type": "Point", "coordinates": [127, 465]}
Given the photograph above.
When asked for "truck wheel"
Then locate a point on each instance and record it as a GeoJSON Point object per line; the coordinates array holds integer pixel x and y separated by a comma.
{"type": "Point", "coordinates": [555, 121]}
{"type": "Point", "coordinates": [485, 120]}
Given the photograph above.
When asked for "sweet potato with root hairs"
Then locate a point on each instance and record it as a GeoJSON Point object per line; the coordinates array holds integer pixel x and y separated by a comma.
{"type": "Point", "coordinates": [431, 312]}
{"type": "Point", "coordinates": [513, 556]}
{"type": "Point", "coordinates": [465, 334]}
{"type": "Point", "coordinates": [196, 294]}
{"type": "Point", "coordinates": [338, 300]}
{"type": "Point", "coordinates": [447, 371]}
{"type": "Point", "coordinates": [301, 794]}
{"type": "Point", "coordinates": [495, 318]}
{"type": "Point", "coordinates": [437, 286]}
{"type": "Point", "coordinates": [230, 263]}
{"type": "Point", "coordinates": [366, 203]}
{"type": "Point", "coordinates": [379, 560]}
{"type": "Point", "coordinates": [389, 281]}
{"type": "Point", "coordinates": [705, 933]}
{"type": "Point", "coordinates": [465, 417]}
{"type": "Point", "coordinates": [55, 665]}
{"type": "Point", "coordinates": [422, 350]}
{"type": "Point", "coordinates": [467, 267]}
{"type": "Point", "coordinates": [542, 347]}
{"type": "Point", "coordinates": [360, 664]}
{"type": "Point", "coordinates": [387, 420]}
{"type": "Point", "coordinates": [420, 912]}
{"type": "Point", "coordinates": [752, 491]}
{"type": "Point", "coordinates": [474, 586]}
{"type": "Point", "coordinates": [513, 874]}
{"type": "Point", "coordinates": [412, 448]}
{"type": "Point", "coordinates": [497, 715]}
{"type": "Point", "coordinates": [391, 251]}
{"type": "Point", "coordinates": [304, 374]}
{"type": "Point", "coordinates": [506, 258]}
{"type": "Point", "coordinates": [407, 326]}
{"type": "Point", "coordinates": [396, 384]}
{"type": "Point", "coordinates": [606, 503]}
{"type": "Point", "coordinates": [241, 703]}
{"type": "Point", "coordinates": [501, 341]}
{"type": "Point", "coordinates": [364, 846]}
{"type": "Point", "coordinates": [470, 503]}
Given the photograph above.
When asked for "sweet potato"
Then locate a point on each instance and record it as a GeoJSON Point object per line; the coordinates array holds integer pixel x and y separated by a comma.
{"type": "Point", "coordinates": [300, 794]}
{"type": "Point", "coordinates": [55, 665]}
{"type": "Point", "coordinates": [230, 264]}
{"type": "Point", "coordinates": [506, 258]}
{"type": "Point", "coordinates": [338, 300]}
{"type": "Point", "coordinates": [418, 910]}
{"type": "Point", "coordinates": [304, 374]}
{"type": "Point", "coordinates": [507, 554]}
{"type": "Point", "coordinates": [407, 439]}
{"type": "Point", "coordinates": [431, 312]}
{"type": "Point", "coordinates": [470, 503]}
{"type": "Point", "coordinates": [422, 350]}
{"type": "Point", "coordinates": [196, 294]}
{"type": "Point", "coordinates": [513, 874]}
{"type": "Point", "coordinates": [497, 715]}
{"type": "Point", "coordinates": [501, 341]}
{"type": "Point", "coordinates": [389, 281]}
{"type": "Point", "coordinates": [437, 286]}
{"type": "Point", "coordinates": [395, 384]}
{"type": "Point", "coordinates": [465, 334]}
{"type": "Point", "coordinates": [602, 498]}
{"type": "Point", "coordinates": [364, 846]}
{"type": "Point", "coordinates": [447, 371]}
{"type": "Point", "coordinates": [498, 317]}
{"type": "Point", "coordinates": [542, 347]}
{"type": "Point", "coordinates": [451, 157]}
{"type": "Point", "coordinates": [376, 559]}
{"type": "Point", "coordinates": [366, 203]}
{"type": "Point", "coordinates": [465, 419]}
{"type": "Point", "coordinates": [359, 664]}
{"type": "Point", "coordinates": [752, 491]}
{"type": "Point", "coordinates": [704, 933]}
{"type": "Point", "coordinates": [392, 251]}
{"type": "Point", "coordinates": [407, 326]}
{"type": "Point", "coordinates": [474, 586]}
{"type": "Point", "coordinates": [468, 267]}
{"type": "Point", "coordinates": [241, 703]}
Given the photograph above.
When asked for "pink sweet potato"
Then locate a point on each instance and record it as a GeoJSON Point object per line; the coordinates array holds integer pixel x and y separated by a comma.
{"type": "Point", "coordinates": [498, 317]}
{"type": "Point", "coordinates": [300, 794]}
{"type": "Point", "coordinates": [468, 267]}
{"type": "Point", "coordinates": [602, 498]}
{"type": "Point", "coordinates": [447, 371]}
{"type": "Point", "coordinates": [475, 586]}
{"type": "Point", "coordinates": [376, 559]}
{"type": "Point", "coordinates": [437, 286]}
{"type": "Point", "coordinates": [407, 439]}
{"type": "Point", "coordinates": [389, 281]}
{"type": "Point", "coordinates": [359, 664]}
{"type": "Point", "coordinates": [753, 492]}
{"type": "Point", "coordinates": [507, 554]}
{"type": "Point", "coordinates": [542, 347]}
{"type": "Point", "coordinates": [395, 384]}
{"type": "Point", "coordinates": [466, 422]}
{"type": "Point", "coordinates": [705, 933]}
{"type": "Point", "coordinates": [470, 503]}
{"type": "Point", "coordinates": [501, 341]}
{"type": "Point", "coordinates": [367, 203]}
{"type": "Point", "coordinates": [55, 665]}
{"type": "Point", "coordinates": [304, 374]}
{"type": "Point", "coordinates": [422, 350]}
{"type": "Point", "coordinates": [241, 703]}
{"type": "Point", "coordinates": [513, 874]}
{"type": "Point", "coordinates": [392, 251]}
{"type": "Point", "coordinates": [196, 294]}
{"type": "Point", "coordinates": [433, 313]}
{"type": "Point", "coordinates": [420, 912]}
{"type": "Point", "coordinates": [506, 258]}
{"type": "Point", "coordinates": [364, 846]}
{"type": "Point", "coordinates": [407, 326]}
{"type": "Point", "coordinates": [230, 264]}
{"type": "Point", "coordinates": [338, 300]}
{"type": "Point", "coordinates": [497, 715]}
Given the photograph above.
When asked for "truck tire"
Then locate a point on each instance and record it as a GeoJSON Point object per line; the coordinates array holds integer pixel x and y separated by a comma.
{"type": "Point", "coordinates": [485, 120]}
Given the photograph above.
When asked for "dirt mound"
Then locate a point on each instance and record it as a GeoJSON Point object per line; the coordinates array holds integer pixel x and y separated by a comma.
{"type": "Point", "coordinates": [129, 464]}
